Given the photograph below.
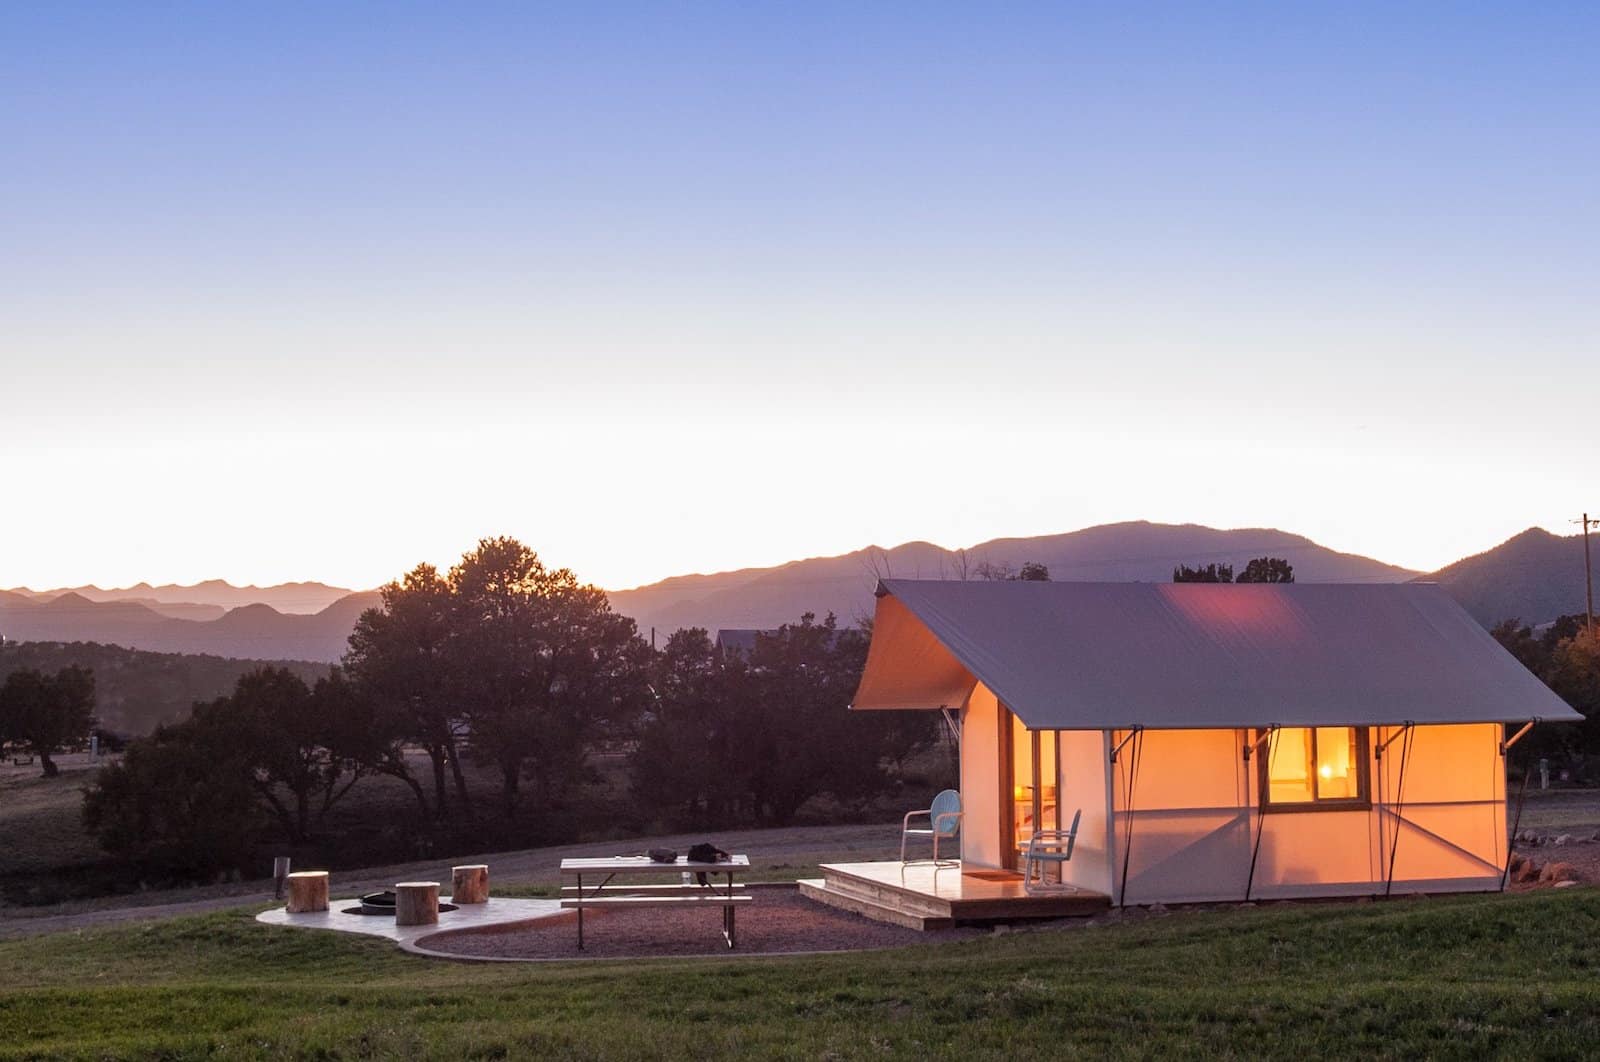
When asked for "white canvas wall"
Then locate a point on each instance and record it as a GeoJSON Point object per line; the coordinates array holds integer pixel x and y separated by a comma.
{"type": "Point", "coordinates": [1195, 823]}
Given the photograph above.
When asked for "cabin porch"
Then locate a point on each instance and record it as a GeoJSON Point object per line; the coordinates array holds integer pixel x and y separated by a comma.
{"type": "Point", "coordinates": [923, 895]}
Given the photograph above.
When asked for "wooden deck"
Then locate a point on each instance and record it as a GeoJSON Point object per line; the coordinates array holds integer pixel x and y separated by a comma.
{"type": "Point", "coordinates": [922, 896]}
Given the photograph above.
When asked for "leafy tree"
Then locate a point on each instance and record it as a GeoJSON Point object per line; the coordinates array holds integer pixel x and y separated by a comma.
{"type": "Point", "coordinates": [543, 665]}
{"type": "Point", "coordinates": [399, 660]}
{"type": "Point", "coordinates": [1564, 657]}
{"type": "Point", "coordinates": [1030, 572]}
{"type": "Point", "coordinates": [751, 737]}
{"type": "Point", "coordinates": [1267, 570]}
{"type": "Point", "coordinates": [305, 746]}
{"type": "Point", "coordinates": [179, 802]}
{"type": "Point", "coordinates": [1211, 573]}
{"type": "Point", "coordinates": [45, 713]}
{"type": "Point", "coordinates": [687, 759]}
{"type": "Point", "coordinates": [519, 664]}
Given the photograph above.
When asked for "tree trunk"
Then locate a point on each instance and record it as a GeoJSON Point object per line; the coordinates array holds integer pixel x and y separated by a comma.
{"type": "Point", "coordinates": [461, 779]}
{"type": "Point", "coordinates": [436, 754]}
{"type": "Point", "coordinates": [510, 783]}
{"type": "Point", "coordinates": [49, 765]}
{"type": "Point", "coordinates": [411, 783]}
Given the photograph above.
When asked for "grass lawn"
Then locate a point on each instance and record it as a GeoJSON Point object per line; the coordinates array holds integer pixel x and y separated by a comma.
{"type": "Point", "coordinates": [1475, 976]}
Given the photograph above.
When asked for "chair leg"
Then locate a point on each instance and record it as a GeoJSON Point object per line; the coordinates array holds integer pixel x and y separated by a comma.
{"type": "Point", "coordinates": [902, 847]}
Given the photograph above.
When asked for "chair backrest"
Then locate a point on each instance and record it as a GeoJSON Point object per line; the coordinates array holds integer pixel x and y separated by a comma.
{"type": "Point", "coordinates": [1072, 831]}
{"type": "Point", "coordinates": [946, 803]}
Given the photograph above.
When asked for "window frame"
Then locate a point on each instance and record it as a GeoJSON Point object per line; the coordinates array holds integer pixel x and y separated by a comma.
{"type": "Point", "coordinates": [1362, 801]}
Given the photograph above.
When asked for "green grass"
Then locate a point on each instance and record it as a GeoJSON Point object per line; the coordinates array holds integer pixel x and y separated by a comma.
{"type": "Point", "coordinates": [1509, 976]}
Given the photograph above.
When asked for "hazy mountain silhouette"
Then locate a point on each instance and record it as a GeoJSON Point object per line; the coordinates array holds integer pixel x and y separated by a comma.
{"type": "Point", "coordinates": [258, 631]}
{"type": "Point", "coordinates": [1533, 576]}
{"type": "Point", "coordinates": [1126, 552]}
{"type": "Point", "coordinates": [294, 598]}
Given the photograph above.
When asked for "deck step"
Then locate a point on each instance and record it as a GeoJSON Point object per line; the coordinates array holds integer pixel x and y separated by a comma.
{"type": "Point", "coordinates": [822, 892]}
{"type": "Point", "coordinates": [887, 895]}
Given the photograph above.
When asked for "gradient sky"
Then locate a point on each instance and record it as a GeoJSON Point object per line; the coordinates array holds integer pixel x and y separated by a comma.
{"type": "Point", "coordinates": [295, 293]}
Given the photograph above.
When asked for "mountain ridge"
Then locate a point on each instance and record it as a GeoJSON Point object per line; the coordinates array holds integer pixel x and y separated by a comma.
{"type": "Point", "coordinates": [299, 598]}
{"type": "Point", "coordinates": [1533, 576]}
{"type": "Point", "coordinates": [1132, 550]}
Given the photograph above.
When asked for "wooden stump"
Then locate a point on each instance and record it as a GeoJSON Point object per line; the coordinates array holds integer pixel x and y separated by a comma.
{"type": "Point", "coordinates": [308, 891]}
{"type": "Point", "coordinates": [416, 903]}
{"type": "Point", "coordinates": [469, 884]}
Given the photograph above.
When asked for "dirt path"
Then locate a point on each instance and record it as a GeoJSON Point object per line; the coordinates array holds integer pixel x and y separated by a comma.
{"type": "Point", "coordinates": [779, 851]}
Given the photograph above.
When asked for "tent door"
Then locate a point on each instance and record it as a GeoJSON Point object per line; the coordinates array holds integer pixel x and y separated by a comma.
{"type": "Point", "coordinates": [1030, 780]}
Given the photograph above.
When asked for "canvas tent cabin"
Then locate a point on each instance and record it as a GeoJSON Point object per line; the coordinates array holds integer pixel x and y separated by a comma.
{"type": "Point", "coordinates": [1223, 742]}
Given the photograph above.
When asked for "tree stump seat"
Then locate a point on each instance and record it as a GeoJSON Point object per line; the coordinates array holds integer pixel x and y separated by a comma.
{"type": "Point", "coordinates": [416, 903]}
{"type": "Point", "coordinates": [308, 891]}
{"type": "Point", "coordinates": [470, 883]}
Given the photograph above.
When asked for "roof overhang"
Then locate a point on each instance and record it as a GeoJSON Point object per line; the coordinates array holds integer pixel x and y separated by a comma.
{"type": "Point", "coordinates": [1092, 656]}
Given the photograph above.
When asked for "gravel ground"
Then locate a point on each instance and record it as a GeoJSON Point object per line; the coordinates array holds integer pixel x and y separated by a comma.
{"type": "Point", "coordinates": [776, 921]}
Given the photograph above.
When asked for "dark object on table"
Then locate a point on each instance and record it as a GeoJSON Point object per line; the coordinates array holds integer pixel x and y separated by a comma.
{"type": "Point", "coordinates": [706, 853]}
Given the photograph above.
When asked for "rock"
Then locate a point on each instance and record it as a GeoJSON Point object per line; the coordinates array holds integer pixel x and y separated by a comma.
{"type": "Point", "coordinates": [1528, 871]}
{"type": "Point", "coordinates": [1242, 906]}
{"type": "Point", "coordinates": [1565, 884]}
{"type": "Point", "coordinates": [1564, 839]}
{"type": "Point", "coordinates": [1554, 872]}
{"type": "Point", "coordinates": [1157, 909]}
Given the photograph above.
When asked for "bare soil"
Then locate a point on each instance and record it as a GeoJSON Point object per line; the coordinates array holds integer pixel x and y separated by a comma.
{"type": "Point", "coordinates": [777, 921]}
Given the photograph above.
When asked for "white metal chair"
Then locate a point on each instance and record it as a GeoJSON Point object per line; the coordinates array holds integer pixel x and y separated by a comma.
{"type": "Point", "coordinates": [944, 820]}
{"type": "Point", "coordinates": [1049, 848]}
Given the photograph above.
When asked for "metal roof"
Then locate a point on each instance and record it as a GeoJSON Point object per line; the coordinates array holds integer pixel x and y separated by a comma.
{"type": "Point", "coordinates": [1070, 656]}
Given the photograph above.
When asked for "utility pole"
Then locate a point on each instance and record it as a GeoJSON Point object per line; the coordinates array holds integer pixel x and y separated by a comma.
{"type": "Point", "coordinates": [1588, 579]}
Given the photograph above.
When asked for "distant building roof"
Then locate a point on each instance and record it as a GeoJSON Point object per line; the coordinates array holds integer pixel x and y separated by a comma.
{"type": "Point", "coordinates": [1110, 655]}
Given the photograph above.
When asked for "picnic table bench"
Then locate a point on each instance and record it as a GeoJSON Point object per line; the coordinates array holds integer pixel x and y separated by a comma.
{"type": "Point", "coordinates": [602, 892]}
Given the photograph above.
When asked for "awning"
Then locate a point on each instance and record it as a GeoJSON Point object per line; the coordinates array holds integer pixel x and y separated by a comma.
{"type": "Point", "coordinates": [1091, 656]}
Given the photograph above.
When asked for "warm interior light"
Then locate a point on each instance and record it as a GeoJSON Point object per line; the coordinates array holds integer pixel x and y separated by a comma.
{"type": "Point", "coordinates": [1326, 772]}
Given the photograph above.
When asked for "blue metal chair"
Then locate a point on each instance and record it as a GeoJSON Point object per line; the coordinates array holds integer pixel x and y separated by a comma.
{"type": "Point", "coordinates": [1049, 848]}
{"type": "Point", "coordinates": [944, 820]}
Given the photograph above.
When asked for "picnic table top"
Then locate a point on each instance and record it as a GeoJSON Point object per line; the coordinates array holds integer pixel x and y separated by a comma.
{"type": "Point", "coordinates": [642, 863]}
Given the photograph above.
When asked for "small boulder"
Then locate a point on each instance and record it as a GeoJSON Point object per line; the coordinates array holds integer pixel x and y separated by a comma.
{"type": "Point", "coordinates": [1565, 884]}
{"type": "Point", "coordinates": [1554, 872]}
{"type": "Point", "coordinates": [1564, 839]}
{"type": "Point", "coordinates": [1527, 872]}
{"type": "Point", "coordinates": [1157, 909]}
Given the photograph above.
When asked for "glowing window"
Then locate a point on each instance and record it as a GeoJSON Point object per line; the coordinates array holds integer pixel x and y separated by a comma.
{"type": "Point", "coordinates": [1308, 767]}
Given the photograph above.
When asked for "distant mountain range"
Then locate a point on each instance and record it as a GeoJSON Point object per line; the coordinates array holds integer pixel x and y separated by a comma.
{"type": "Point", "coordinates": [256, 632]}
{"type": "Point", "coordinates": [1535, 576]}
{"type": "Point", "coordinates": [214, 594]}
{"type": "Point", "coordinates": [843, 585]}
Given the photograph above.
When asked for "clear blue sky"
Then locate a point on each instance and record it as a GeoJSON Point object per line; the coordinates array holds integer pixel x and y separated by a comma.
{"type": "Point", "coordinates": [290, 292]}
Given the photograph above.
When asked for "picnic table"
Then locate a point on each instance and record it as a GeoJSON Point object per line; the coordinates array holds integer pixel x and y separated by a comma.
{"type": "Point", "coordinates": [603, 890]}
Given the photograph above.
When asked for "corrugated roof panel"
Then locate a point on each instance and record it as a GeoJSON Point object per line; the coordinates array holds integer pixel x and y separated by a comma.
{"type": "Point", "coordinates": [1170, 655]}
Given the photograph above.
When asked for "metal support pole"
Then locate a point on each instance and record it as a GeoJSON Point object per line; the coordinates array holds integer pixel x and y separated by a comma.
{"type": "Point", "coordinates": [1400, 799]}
{"type": "Point", "coordinates": [1261, 803]}
{"type": "Point", "coordinates": [1522, 796]}
{"type": "Point", "coordinates": [1135, 735]}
